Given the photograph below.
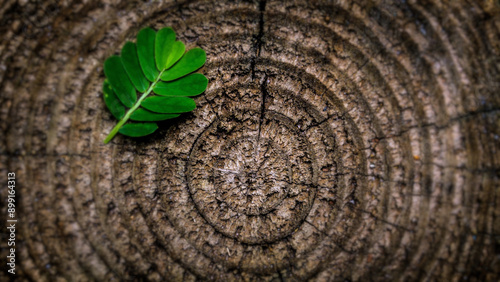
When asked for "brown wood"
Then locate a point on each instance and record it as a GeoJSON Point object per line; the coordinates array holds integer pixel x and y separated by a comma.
{"type": "Point", "coordinates": [337, 141]}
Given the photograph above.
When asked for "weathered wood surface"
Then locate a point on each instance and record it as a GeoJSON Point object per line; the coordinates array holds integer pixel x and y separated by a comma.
{"type": "Point", "coordinates": [337, 140]}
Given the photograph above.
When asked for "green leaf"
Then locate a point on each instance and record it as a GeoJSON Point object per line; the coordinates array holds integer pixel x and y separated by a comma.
{"type": "Point", "coordinates": [145, 115]}
{"type": "Point", "coordinates": [146, 53]}
{"type": "Point", "coordinates": [138, 129]}
{"type": "Point", "coordinates": [165, 39]}
{"type": "Point", "coordinates": [169, 105]}
{"type": "Point", "coordinates": [191, 61]}
{"type": "Point", "coordinates": [176, 53]}
{"type": "Point", "coordinates": [139, 69]}
{"type": "Point", "coordinates": [191, 85]}
{"type": "Point", "coordinates": [132, 67]}
{"type": "Point", "coordinates": [119, 81]}
{"type": "Point", "coordinates": [114, 105]}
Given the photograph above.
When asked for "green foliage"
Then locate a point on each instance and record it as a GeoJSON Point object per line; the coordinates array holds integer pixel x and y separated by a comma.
{"type": "Point", "coordinates": [157, 64]}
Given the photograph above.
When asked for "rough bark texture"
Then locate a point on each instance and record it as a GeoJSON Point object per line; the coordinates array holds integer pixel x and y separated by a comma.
{"type": "Point", "coordinates": [337, 140]}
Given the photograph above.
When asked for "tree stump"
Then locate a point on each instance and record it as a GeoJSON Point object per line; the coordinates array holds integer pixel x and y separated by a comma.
{"type": "Point", "coordinates": [337, 141]}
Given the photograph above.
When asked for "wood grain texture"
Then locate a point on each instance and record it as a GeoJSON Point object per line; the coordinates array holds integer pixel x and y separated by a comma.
{"type": "Point", "coordinates": [337, 141]}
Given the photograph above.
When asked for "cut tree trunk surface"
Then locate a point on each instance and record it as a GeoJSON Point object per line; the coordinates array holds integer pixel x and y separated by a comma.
{"type": "Point", "coordinates": [337, 141]}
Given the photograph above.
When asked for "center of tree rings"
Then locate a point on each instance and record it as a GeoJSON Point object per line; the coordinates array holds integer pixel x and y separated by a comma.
{"type": "Point", "coordinates": [251, 176]}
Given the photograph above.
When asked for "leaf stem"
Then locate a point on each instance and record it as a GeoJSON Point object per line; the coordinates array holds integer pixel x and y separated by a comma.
{"type": "Point", "coordinates": [126, 117]}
